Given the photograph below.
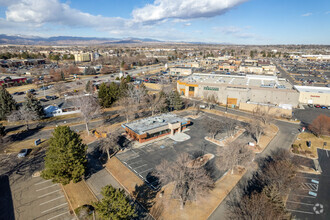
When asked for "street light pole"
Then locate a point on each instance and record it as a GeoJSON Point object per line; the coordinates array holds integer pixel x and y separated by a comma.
{"type": "Point", "coordinates": [226, 103]}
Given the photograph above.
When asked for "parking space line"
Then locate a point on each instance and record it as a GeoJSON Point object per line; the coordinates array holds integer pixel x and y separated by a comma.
{"type": "Point", "coordinates": [49, 193]}
{"type": "Point", "coordinates": [42, 182]}
{"type": "Point", "coordinates": [141, 166]}
{"type": "Point", "coordinates": [313, 197]}
{"type": "Point", "coordinates": [292, 210]}
{"type": "Point", "coordinates": [52, 200]}
{"type": "Point", "coordinates": [147, 170]}
{"type": "Point", "coordinates": [136, 162]}
{"type": "Point", "coordinates": [46, 187]}
{"type": "Point", "coordinates": [299, 203]}
{"type": "Point", "coordinates": [59, 215]}
{"type": "Point", "coordinates": [54, 207]}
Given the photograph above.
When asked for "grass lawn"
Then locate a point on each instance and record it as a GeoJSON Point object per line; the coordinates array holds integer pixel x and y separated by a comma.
{"type": "Point", "coordinates": [269, 133]}
{"type": "Point", "coordinates": [79, 194]}
{"type": "Point", "coordinates": [300, 144]}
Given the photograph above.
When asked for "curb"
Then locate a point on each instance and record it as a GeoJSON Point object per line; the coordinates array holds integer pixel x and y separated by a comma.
{"type": "Point", "coordinates": [91, 190]}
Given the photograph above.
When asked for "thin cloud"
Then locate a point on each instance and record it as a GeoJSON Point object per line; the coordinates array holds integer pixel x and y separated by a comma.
{"type": "Point", "coordinates": [307, 14]}
{"type": "Point", "coordinates": [235, 32]}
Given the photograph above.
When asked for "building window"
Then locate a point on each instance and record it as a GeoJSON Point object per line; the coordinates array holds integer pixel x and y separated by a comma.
{"type": "Point", "coordinates": [191, 89]}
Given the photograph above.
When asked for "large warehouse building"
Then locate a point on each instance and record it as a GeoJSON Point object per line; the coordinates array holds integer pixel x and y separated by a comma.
{"type": "Point", "coordinates": [314, 95]}
{"type": "Point", "coordinates": [234, 89]}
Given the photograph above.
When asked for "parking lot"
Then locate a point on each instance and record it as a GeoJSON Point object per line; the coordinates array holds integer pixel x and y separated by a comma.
{"type": "Point", "coordinates": [311, 200]}
{"type": "Point", "coordinates": [36, 198]}
{"type": "Point", "coordinates": [143, 160]}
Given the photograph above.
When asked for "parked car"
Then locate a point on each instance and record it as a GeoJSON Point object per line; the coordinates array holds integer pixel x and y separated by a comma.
{"type": "Point", "coordinates": [43, 100]}
{"type": "Point", "coordinates": [310, 105]}
{"type": "Point", "coordinates": [22, 153]}
{"type": "Point", "coordinates": [324, 107]}
{"type": "Point", "coordinates": [53, 97]}
{"type": "Point", "coordinates": [317, 106]}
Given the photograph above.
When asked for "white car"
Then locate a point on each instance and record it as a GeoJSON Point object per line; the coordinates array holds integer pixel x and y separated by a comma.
{"type": "Point", "coordinates": [22, 153]}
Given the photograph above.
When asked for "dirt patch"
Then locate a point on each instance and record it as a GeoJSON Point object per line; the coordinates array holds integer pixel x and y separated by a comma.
{"type": "Point", "coordinates": [300, 145]}
{"type": "Point", "coordinates": [23, 88]}
{"type": "Point", "coordinates": [79, 194]}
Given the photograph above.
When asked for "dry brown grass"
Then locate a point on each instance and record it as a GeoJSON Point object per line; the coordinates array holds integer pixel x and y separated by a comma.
{"type": "Point", "coordinates": [317, 142]}
{"type": "Point", "coordinates": [269, 133]}
{"type": "Point", "coordinates": [79, 194]}
{"type": "Point", "coordinates": [169, 208]}
{"type": "Point", "coordinates": [123, 175]}
{"type": "Point", "coordinates": [23, 88]}
{"type": "Point", "coordinates": [15, 147]}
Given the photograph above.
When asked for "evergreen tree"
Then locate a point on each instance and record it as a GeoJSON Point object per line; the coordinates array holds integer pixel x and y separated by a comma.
{"type": "Point", "coordinates": [66, 157]}
{"type": "Point", "coordinates": [33, 104]}
{"type": "Point", "coordinates": [2, 131]}
{"type": "Point", "coordinates": [177, 102]}
{"type": "Point", "coordinates": [108, 94]}
{"type": "Point", "coordinates": [89, 87]}
{"type": "Point", "coordinates": [7, 103]}
{"type": "Point", "coordinates": [115, 204]}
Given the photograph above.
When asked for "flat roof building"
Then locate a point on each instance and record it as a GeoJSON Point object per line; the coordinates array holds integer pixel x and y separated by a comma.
{"type": "Point", "coordinates": [233, 89]}
{"type": "Point", "coordinates": [314, 95]}
{"type": "Point", "coordinates": [156, 126]}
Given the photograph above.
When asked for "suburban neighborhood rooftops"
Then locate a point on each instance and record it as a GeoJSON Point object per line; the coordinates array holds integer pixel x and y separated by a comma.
{"type": "Point", "coordinates": [144, 125]}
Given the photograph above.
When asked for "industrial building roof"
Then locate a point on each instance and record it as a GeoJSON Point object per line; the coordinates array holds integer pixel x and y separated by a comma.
{"type": "Point", "coordinates": [144, 125]}
{"type": "Point", "coordinates": [263, 81]}
{"type": "Point", "coordinates": [313, 89]}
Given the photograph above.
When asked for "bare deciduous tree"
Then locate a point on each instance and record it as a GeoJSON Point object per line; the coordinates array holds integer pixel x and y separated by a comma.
{"type": "Point", "coordinates": [23, 114]}
{"type": "Point", "coordinates": [88, 106]}
{"type": "Point", "coordinates": [229, 125]}
{"type": "Point", "coordinates": [60, 88]}
{"type": "Point", "coordinates": [110, 143]}
{"type": "Point", "coordinates": [189, 183]}
{"type": "Point", "coordinates": [263, 114]}
{"type": "Point", "coordinates": [236, 153]}
{"type": "Point", "coordinates": [256, 129]}
{"type": "Point", "coordinates": [155, 103]}
{"type": "Point", "coordinates": [129, 107]}
{"type": "Point", "coordinates": [213, 127]}
{"type": "Point", "coordinates": [255, 206]}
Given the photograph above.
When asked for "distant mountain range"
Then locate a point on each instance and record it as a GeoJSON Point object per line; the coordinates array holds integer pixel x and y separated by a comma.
{"type": "Point", "coordinates": [69, 40]}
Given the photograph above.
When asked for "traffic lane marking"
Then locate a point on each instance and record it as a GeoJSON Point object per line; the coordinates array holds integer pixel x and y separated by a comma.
{"type": "Point", "coordinates": [42, 182]}
{"type": "Point", "coordinates": [292, 210]}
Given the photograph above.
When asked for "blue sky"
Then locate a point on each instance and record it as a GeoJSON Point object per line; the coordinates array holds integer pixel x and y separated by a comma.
{"type": "Point", "coordinates": [218, 21]}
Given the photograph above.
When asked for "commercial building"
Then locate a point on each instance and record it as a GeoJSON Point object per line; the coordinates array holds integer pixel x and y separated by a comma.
{"type": "Point", "coordinates": [9, 81]}
{"type": "Point", "coordinates": [314, 95]}
{"type": "Point", "coordinates": [154, 127]}
{"type": "Point", "coordinates": [82, 57]}
{"type": "Point", "coordinates": [234, 89]}
{"type": "Point", "coordinates": [180, 71]}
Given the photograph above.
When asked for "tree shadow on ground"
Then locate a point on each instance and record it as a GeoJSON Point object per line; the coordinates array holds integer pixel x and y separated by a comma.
{"type": "Point", "coordinates": [25, 134]}
{"type": "Point", "coordinates": [6, 201]}
{"type": "Point", "coordinates": [145, 195]}
{"type": "Point", "coordinates": [15, 128]}
{"type": "Point", "coordinates": [93, 163]}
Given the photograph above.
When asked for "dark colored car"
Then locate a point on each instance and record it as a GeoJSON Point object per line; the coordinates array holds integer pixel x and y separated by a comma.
{"type": "Point", "coordinates": [43, 100]}
{"type": "Point", "coordinates": [310, 105]}
{"type": "Point", "coordinates": [324, 107]}
{"type": "Point", "coordinates": [51, 97]}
